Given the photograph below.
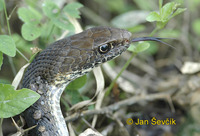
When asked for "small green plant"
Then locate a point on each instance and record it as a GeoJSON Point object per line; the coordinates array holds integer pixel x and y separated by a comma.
{"type": "Point", "coordinates": [165, 14]}
{"type": "Point", "coordinates": [55, 18]}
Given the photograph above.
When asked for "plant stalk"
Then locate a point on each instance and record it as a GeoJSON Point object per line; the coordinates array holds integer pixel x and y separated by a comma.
{"type": "Point", "coordinates": [121, 71]}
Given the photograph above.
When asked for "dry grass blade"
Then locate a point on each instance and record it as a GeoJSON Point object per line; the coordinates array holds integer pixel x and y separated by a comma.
{"type": "Point", "coordinates": [100, 86]}
{"type": "Point", "coordinates": [19, 75]}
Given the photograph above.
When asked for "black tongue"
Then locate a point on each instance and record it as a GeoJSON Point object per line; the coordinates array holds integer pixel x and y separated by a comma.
{"type": "Point", "coordinates": [157, 39]}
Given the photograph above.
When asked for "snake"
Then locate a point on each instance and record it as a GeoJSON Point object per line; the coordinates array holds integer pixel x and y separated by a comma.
{"type": "Point", "coordinates": [62, 62]}
{"type": "Point", "coordinates": [59, 64]}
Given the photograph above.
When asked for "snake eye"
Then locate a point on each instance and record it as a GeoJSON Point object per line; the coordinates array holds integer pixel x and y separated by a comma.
{"type": "Point", "coordinates": [104, 48]}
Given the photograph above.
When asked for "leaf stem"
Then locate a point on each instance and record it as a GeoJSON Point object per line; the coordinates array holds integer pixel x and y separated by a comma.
{"type": "Point", "coordinates": [121, 71]}
{"type": "Point", "coordinates": [154, 31]}
{"type": "Point", "coordinates": [9, 32]}
{"type": "Point", "coordinates": [7, 19]}
{"type": "Point", "coordinates": [8, 25]}
{"type": "Point", "coordinates": [22, 55]}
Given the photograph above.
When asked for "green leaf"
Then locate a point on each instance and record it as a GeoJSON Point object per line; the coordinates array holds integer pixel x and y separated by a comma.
{"type": "Point", "coordinates": [63, 23]}
{"type": "Point", "coordinates": [74, 96]}
{"type": "Point", "coordinates": [1, 59]}
{"type": "Point", "coordinates": [50, 9]}
{"type": "Point", "coordinates": [30, 32]}
{"type": "Point", "coordinates": [140, 47]}
{"type": "Point", "coordinates": [167, 10]}
{"type": "Point", "coordinates": [22, 44]}
{"type": "Point", "coordinates": [131, 48]}
{"type": "Point", "coordinates": [7, 45]}
{"type": "Point", "coordinates": [153, 49]}
{"type": "Point", "coordinates": [72, 9]}
{"type": "Point", "coordinates": [29, 15]}
{"type": "Point", "coordinates": [153, 16]}
{"type": "Point", "coordinates": [178, 11]}
{"type": "Point", "coordinates": [13, 102]}
{"type": "Point", "coordinates": [78, 83]}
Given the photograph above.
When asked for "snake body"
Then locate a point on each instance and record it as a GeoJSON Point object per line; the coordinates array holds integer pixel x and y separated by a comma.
{"type": "Point", "coordinates": [60, 63]}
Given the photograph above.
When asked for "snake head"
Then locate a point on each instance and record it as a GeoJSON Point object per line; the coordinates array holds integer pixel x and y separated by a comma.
{"type": "Point", "coordinates": [109, 43]}
{"type": "Point", "coordinates": [93, 47]}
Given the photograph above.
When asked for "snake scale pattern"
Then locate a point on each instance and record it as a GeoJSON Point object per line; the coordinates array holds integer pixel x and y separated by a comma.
{"type": "Point", "coordinates": [60, 63]}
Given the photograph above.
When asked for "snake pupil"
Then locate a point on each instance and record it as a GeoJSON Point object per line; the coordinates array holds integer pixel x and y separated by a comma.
{"type": "Point", "coordinates": [104, 48]}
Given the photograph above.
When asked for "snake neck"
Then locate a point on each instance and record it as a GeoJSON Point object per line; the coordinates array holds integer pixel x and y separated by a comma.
{"type": "Point", "coordinates": [46, 112]}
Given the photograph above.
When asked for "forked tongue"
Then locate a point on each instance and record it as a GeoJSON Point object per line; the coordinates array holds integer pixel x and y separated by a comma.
{"type": "Point", "coordinates": [157, 39]}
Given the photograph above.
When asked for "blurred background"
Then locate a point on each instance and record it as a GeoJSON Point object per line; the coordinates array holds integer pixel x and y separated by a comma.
{"type": "Point", "coordinates": [165, 81]}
